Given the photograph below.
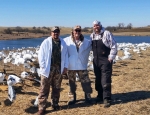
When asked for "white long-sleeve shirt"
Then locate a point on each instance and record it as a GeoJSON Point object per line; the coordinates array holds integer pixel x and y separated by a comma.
{"type": "Point", "coordinates": [44, 56]}
{"type": "Point", "coordinates": [78, 60]}
{"type": "Point", "coordinates": [108, 41]}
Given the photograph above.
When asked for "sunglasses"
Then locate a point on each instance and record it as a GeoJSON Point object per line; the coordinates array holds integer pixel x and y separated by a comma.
{"type": "Point", "coordinates": [56, 31]}
{"type": "Point", "coordinates": [78, 30]}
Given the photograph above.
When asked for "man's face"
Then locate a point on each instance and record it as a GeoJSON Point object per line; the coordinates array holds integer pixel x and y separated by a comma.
{"type": "Point", "coordinates": [97, 27]}
{"type": "Point", "coordinates": [77, 33]}
{"type": "Point", "coordinates": [55, 34]}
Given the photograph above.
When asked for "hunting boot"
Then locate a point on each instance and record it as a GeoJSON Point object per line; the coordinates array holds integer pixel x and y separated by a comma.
{"type": "Point", "coordinates": [107, 103]}
{"type": "Point", "coordinates": [72, 99]}
{"type": "Point", "coordinates": [88, 98]}
{"type": "Point", "coordinates": [55, 105]}
{"type": "Point", "coordinates": [99, 98]}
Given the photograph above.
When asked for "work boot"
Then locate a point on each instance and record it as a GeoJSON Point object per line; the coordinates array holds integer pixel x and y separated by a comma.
{"type": "Point", "coordinates": [99, 99]}
{"type": "Point", "coordinates": [41, 112]}
{"type": "Point", "coordinates": [88, 98]}
{"type": "Point", "coordinates": [72, 99]}
{"type": "Point", "coordinates": [54, 104]}
{"type": "Point", "coordinates": [107, 103]}
{"type": "Point", "coordinates": [56, 107]}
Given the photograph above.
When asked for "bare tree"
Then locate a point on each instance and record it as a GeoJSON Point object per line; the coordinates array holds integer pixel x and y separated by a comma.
{"type": "Point", "coordinates": [34, 27]}
{"type": "Point", "coordinates": [8, 31]}
{"type": "Point", "coordinates": [111, 28]}
{"type": "Point", "coordinates": [121, 25]}
{"type": "Point", "coordinates": [18, 29]}
{"type": "Point", "coordinates": [48, 28]}
{"type": "Point", "coordinates": [44, 27]}
{"type": "Point", "coordinates": [129, 26]}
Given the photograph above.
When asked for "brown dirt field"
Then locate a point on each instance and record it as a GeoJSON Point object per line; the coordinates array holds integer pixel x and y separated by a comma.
{"type": "Point", "coordinates": [130, 92]}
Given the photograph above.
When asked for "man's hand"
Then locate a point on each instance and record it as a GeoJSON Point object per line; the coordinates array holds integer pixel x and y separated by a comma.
{"type": "Point", "coordinates": [110, 60]}
{"type": "Point", "coordinates": [64, 71]}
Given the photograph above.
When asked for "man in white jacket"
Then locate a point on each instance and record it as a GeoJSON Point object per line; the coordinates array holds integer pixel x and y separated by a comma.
{"type": "Point", "coordinates": [78, 51]}
{"type": "Point", "coordinates": [53, 61]}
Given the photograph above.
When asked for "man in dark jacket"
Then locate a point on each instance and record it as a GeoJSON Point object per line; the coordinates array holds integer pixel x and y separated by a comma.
{"type": "Point", "coordinates": [104, 51]}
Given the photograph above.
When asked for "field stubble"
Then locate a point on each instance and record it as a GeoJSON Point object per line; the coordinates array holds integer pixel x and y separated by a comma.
{"type": "Point", "coordinates": [130, 92]}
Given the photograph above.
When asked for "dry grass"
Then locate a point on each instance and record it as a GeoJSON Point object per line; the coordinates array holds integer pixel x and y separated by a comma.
{"type": "Point", "coordinates": [130, 92]}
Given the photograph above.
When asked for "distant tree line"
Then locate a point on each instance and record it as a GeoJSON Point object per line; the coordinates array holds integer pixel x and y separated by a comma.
{"type": "Point", "coordinates": [8, 31]}
{"type": "Point", "coordinates": [87, 29]}
{"type": "Point", "coordinates": [120, 26]}
{"type": "Point", "coordinates": [18, 29]}
{"type": "Point", "coordinates": [46, 30]}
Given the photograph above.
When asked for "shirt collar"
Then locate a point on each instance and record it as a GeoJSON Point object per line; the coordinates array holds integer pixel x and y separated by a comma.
{"type": "Point", "coordinates": [102, 30]}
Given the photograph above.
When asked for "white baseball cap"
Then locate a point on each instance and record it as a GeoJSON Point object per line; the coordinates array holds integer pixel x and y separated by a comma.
{"type": "Point", "coordinates": [97, 22]}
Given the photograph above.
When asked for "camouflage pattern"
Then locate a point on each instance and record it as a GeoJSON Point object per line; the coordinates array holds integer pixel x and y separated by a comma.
{"type": "Point", "coordinates": [56, 53]}
{"type": "Point", "coordinates": [54, 79]}
{"type": "Point", "coordinates": [84, 78]}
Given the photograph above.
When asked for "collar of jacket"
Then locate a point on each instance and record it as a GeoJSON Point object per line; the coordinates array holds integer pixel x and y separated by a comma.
{"type": "Point", "coordinates": [81, 38]}
{"type": "Point", "coordinates": [102, 31]}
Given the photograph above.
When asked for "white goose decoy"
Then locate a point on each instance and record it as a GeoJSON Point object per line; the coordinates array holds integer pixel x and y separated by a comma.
{"type": "Point", "coordinates": [2, 75]}
{"type": "Point", "coordinates": [127, 55]}
{"type": "Point", "coordinates": [35, 70]}
{"type": "Point", "coordinates": [136, 50]}
{"type": "Point", "coordinates": [117, 58]}
{"type": "Point", "coordinates": [7, 60]}
{"type": "Point", "coordinates": [26, 65]}
{"type": "Point", "coordinates": [126, 52]}
{"type": "Point", "coordinates": [11, 81]}
{"type": "Point", "coordinates": [35, 55]}
{"type": "Point", "coordinates": [143, 48]}
{"type": "Point", "coordinates": [33, 59]}
{"type": "Point", "coordinates": [24, 74]}
{"type": "Point", "coordinates": [27, 56]}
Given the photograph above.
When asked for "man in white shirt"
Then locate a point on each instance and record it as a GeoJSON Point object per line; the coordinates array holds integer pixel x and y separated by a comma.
{"type": "Point", "coordinates": [53, 61]}
{"type": "Point", "coordinates": [78, 51]}
{"type": "Point", "coordinates": [104, 51]}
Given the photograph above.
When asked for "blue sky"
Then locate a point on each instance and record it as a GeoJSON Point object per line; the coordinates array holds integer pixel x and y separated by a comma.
{"type": "Point", "coordinates": [29, 13]}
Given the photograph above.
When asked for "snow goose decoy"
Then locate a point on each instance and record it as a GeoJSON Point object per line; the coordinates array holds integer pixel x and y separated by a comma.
{"type": "Point", "coordinates": [2, 75]}
{"type": "Point", "coordinates": [11, 81]}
